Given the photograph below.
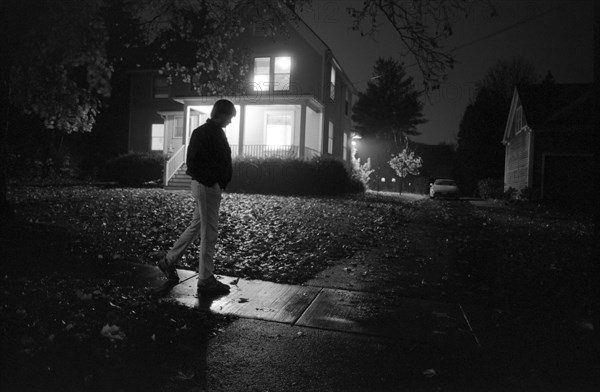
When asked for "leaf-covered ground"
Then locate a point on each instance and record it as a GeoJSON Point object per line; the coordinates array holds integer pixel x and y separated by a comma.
{"type": "Point", "coordinates": [281, 239]}
{"type": "Point", "coordinates": [67, 325]}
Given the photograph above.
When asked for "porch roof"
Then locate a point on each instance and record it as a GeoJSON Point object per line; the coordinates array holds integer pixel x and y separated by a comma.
{"type": "Point", "coordinates": [267, 99]}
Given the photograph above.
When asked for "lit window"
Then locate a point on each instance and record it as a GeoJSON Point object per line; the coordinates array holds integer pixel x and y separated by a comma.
{"type": "Point", "coordinates": [330, 139]}
{"type": "Point", "coordinates": [158, 137]}
{"type": "Point", "coordinates": [332, 84]}
{"type": "Point", "coordinates": [283, 66]}
{"type": "Point", "coordinates": [279, 128]}
{"type": "Point", "coordinates": [160, 87]}
{"type": "Point", "coordinates": [262, 72]}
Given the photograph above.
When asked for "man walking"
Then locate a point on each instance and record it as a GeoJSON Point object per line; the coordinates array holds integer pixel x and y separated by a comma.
{"type": "Point", "coordinates": [209, 164]}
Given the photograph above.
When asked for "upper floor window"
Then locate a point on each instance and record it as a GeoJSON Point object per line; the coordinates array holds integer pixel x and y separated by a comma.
{"type": "Point", "coordinates": [274, 73]}
{"type": "Point", "coordinates": [283, 67]}
{"type": "Point", "coordinates": [332, 84]}
{"type": "Point", "coordinates": [348, 102]}
{"type": "Point", "coordinates": [262, 72]}
{"type": "Point", "coordinates": [160, 87]}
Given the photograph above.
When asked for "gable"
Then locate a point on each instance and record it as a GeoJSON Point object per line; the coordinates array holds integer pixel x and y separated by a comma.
{"type": "Point", "coordinates": [516, 121]}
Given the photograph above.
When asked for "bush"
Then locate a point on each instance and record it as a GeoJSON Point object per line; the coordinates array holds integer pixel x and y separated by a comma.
{"type": "Point", "coordinates": [134, 168]}
{"type": "Point", "coordinates": [491, 188]}
{"type": "Point", "coordinates": [292, 176]}
{"type": "Point", "coordinates": [510, 194]}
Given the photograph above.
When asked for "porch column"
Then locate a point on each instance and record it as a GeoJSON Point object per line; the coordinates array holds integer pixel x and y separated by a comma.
{"type": "Point", "coordinates": [186, 129]}
{"type": "Point", "coordinates": [302, 129]}
{"type": "Point", "coordinates": [242, 115]}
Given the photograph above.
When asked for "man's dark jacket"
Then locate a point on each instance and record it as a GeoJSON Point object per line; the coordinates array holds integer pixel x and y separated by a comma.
{"type": "Point", "coordinates": [209, 155]}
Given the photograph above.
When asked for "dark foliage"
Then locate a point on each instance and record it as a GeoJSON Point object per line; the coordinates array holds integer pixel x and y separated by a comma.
{"type": "Point", "coordinates": [390, 108]}
{"type": "Point", "coordinates": [491, 188]}
{"type": "Point", "coordinates": [480, 153]}
{"type": "Point", "coordinates": [134, 168]}
{"type": "Point", "coordinates": [285, 176]}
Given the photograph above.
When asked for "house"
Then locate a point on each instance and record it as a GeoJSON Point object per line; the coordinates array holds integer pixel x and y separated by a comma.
{"type": "Point", "coordinates": [549, 142]}
{"type": "Point", "coordinates": [298, 105]}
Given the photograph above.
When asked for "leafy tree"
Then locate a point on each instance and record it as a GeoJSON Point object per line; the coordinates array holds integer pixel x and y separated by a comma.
{"type": "Point", "coordinates": [390, 108]}
{"type": "Point", "coordinates": [59, 56]}
{"type": "Point", "coordinates": [480, 153]}
{"type": "Point", "coordinates": [405, 163]}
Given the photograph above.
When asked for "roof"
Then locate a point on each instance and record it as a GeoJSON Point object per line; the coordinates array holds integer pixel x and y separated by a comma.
{"type": "Point", "coordinates": [545, 104]}
{"type": "Point", "coordinates": [551, 107]}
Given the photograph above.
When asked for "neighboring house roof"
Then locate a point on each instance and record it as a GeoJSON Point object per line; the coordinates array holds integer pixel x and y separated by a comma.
{"type": "Point", "coordinates": [554, 103]}
{"type": "Point", "coordinates": [550, 106]}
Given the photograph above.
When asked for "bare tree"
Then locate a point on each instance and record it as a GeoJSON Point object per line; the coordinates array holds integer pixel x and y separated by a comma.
{"type": "Point", "coordinates": [421, 26]}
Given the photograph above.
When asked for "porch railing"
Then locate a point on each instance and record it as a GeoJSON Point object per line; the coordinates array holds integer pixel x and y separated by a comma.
{"type": "Point", "coordinates": [174, 163]}
{"type": "Point", "coordinates": [277, 151]}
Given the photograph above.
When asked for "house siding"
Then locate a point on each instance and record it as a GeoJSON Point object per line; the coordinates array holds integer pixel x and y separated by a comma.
{"type": "Point", "coordinates": [518, 161]}
{"type": "Point", "coordinates": [144, 110]}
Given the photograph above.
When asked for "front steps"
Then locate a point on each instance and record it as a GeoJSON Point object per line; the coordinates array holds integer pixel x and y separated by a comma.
{"type": "Point", "coordinates": [180, 180]}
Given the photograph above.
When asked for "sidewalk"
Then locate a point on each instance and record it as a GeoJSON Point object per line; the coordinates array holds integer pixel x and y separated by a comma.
{"type": "Point", "coordinates": [317, 338]}
{"type": "Point", "coordinates": [312, 338]}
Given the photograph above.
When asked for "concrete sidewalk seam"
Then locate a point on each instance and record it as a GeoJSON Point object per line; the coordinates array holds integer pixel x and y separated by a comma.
{"type": "Point", "coordinates": [307, 306]}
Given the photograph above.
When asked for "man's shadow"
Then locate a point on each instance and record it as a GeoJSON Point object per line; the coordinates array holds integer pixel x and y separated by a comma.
{"type": "Point", "coordinates": [200, 344]}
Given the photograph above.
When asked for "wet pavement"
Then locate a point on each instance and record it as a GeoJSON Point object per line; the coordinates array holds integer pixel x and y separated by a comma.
{"type": "Point", "coordinates": [347, 311]}
{"type": "Point", "coordinates": [316, 338]}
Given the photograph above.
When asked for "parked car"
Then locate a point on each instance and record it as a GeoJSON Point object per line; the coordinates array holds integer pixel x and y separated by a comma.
{"type": "Point", "coordinates": [443, 188]}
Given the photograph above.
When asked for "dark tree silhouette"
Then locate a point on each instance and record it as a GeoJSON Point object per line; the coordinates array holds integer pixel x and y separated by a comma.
{"type": "Point", "coordinates": [480, 153]}
{"type": "Point", "coordinates": [390, 108]}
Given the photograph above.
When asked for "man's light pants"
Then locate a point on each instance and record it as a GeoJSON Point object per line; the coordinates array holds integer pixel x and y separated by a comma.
{"type": "Point", "coordinates": [205, 224]}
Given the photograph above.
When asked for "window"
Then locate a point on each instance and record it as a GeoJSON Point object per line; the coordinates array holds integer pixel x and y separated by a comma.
{"type": "Point", "coordinates": [178, 127]}
{"type": "Point", "coordinates": [160, 87]}
{"type": "Point", "coordinates": [330, 139]}
{"type": "Point", "coordinates": [348, 101]}
{"type": "Point", "coordinates": [262, 72]}
{"type": "Point", "coordinates": [332, 84]}
{"type": "Point", "coordinates": [278, 128]}
{"type": "Point", "coordinates": [158, 137]}
{"type": "Point", "coordinates": [281, 78]}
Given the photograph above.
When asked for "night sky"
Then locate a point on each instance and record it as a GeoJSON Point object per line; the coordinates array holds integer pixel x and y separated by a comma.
{"type": "Point", "coordinates": [554, 36]}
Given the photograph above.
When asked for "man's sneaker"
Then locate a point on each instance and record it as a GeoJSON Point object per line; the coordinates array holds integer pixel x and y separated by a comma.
{"type": "Point", "coordinates": [212, 286]}
{"type": "Point", "coordinates": [169, 270]}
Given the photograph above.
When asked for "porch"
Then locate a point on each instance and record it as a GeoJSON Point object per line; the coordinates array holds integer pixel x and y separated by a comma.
{"type": "Point", "coordinates": [288, 127]}
{"type": "Point", "coordinates": [175, 168]}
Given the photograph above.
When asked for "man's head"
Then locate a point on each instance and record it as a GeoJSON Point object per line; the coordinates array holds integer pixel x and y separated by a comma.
{"type": "Point", "coordinates": [222, 112]}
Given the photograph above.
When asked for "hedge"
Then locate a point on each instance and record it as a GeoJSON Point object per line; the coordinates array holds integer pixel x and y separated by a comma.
{"type": "Point", "coordinates": [134, 168]}
{"type": "Point", "coordinates": [292, 176]}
